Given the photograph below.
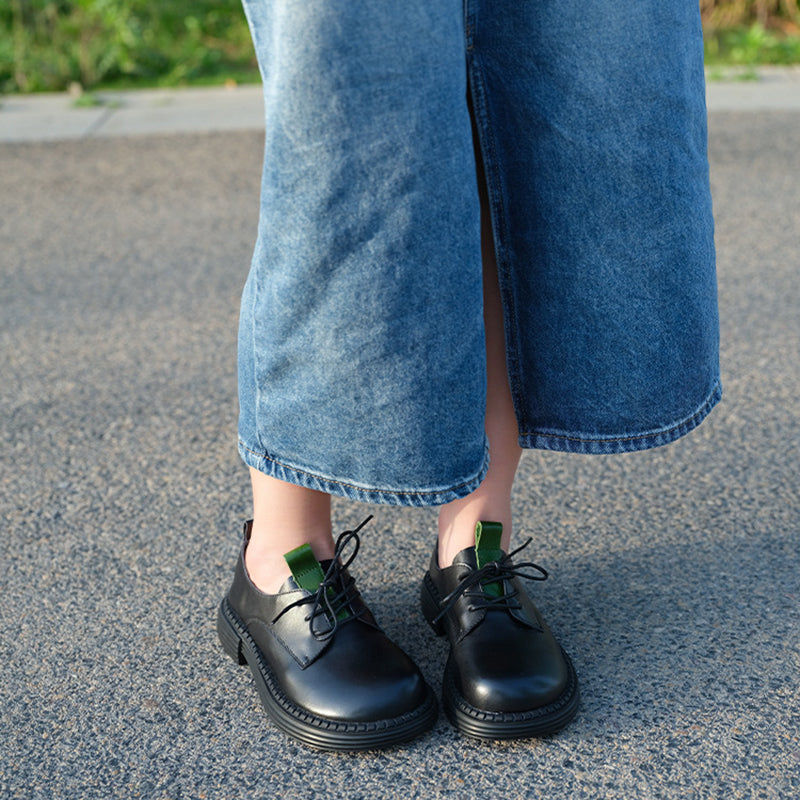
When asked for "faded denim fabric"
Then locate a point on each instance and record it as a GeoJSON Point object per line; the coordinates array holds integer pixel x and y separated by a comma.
{"type": "Point", "coordinates": [361, 343]}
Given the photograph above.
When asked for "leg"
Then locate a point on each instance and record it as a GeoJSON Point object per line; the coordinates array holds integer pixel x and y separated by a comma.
{"type": "Point", "coordinates": [492, 499]}
{"type": "Point", "coordinates": [285, 516]}
{"type": "Point", "coordinates": [506, 677]}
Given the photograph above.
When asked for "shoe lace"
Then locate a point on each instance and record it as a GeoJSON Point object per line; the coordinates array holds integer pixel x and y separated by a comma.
{"type": "Point", "coordinates": [472, 586]}
{"type": "Point", "coordinates": [333, 596]}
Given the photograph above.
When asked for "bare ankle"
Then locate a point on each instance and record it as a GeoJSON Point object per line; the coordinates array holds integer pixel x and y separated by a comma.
{"type": "Point", "coordinates": [264, 557]}
{"type": "Point", "coordinates": [267, 574]}
{"type": "Point", "coordinates": [457, 527]}
{"type": "Point", "coordinates": [285, 516]}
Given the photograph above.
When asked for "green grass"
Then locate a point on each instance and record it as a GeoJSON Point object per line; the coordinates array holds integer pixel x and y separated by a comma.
{"type": "Point", "coordinates": [751, 46]}
{"type": "Point", "coordinates": [47, 45]}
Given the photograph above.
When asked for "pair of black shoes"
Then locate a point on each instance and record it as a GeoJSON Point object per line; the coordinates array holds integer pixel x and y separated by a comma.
{"type": "Point", "coordinates": [328, 675]}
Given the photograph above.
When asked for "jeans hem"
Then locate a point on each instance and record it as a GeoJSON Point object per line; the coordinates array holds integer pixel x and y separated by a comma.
{"type": "Point", "coordinates": [418, 497]}
{"type": "Point", "coordinates": [608, 445]}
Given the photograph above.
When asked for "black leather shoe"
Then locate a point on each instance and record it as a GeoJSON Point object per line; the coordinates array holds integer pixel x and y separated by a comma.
{"type": "Point", "coordinates": [326, 673]}
{"type": "Point", "coordinates": [506, 676]}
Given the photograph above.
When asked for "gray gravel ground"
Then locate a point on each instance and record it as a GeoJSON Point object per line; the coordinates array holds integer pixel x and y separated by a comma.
{"type": "Point", "coordinates": [674, 572]}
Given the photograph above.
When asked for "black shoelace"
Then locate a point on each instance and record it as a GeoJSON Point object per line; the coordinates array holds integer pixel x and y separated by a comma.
{"type": "Point", "coordinates": [333, 596]}
{"type": "Point", "coordinates": [472, 586]}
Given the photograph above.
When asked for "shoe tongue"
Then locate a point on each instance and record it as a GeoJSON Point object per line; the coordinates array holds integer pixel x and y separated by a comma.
{"type": "Point", "coordinates": [487, 549]}
{"type": "Point", "coordinates": [306, 570]}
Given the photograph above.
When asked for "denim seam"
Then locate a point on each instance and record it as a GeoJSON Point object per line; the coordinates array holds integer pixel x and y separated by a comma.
{"type": "Point", "coordinates": [470, 13]}
{"type": "Point", "coordinates": [255, 351]}
{"type": "Point", "coordinates": [702, 411]}
{"type": "Point", "coordinates": [365, 489]}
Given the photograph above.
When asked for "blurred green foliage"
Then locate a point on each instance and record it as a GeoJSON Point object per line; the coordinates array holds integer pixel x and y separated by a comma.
{"type": "Point", "coordinates": [750, 32]}
{"type": "Point", "coordinates": [50, 44]}
{"type": "Point", "coordinates": [751, 45]}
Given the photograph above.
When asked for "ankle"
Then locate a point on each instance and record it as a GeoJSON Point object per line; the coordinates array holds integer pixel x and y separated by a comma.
{"type": "Point", "coordinates": [264, 556]}
{"type": "Point", "coordinates": [267, 573]}
{"type": "Point", "coordinates": [457, 531]}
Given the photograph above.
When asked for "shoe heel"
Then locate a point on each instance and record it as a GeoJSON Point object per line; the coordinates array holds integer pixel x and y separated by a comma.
{"type": "Point", "coordinates": [229, 639]}
{"type": "Point", "coordinates": [430, 608]}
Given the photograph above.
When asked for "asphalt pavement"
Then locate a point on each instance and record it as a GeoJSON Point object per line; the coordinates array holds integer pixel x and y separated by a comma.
{"type": "Point", "coordinates": [674, 573]}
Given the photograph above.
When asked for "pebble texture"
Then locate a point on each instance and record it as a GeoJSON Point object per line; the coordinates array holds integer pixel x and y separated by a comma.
{"type": "Point", "coordinates": [674, 573]}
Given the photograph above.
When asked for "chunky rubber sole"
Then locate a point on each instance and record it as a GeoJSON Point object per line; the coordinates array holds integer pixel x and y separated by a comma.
{"type": "Point", "coordinates": [481, 724]}
{"type": "Point", "coordinates": [314, 731]}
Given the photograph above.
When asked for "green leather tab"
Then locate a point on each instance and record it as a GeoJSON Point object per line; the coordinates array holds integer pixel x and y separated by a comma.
{"type": "Point", "coordinates": [305, 568]}
{"type": "Point", "coordinates": [488, 536]}
{"type": "Point", "coordinates": [308, 574]}
{"type": "Point", "coordinates": [487, 549]}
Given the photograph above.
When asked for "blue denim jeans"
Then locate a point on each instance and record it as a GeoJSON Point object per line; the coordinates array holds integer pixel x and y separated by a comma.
{"type": "Point", "coordinates": [361, 347]}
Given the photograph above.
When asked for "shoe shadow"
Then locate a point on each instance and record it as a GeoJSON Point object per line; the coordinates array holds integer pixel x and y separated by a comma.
{"type": "Point", "coordinates": [694, 626]}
